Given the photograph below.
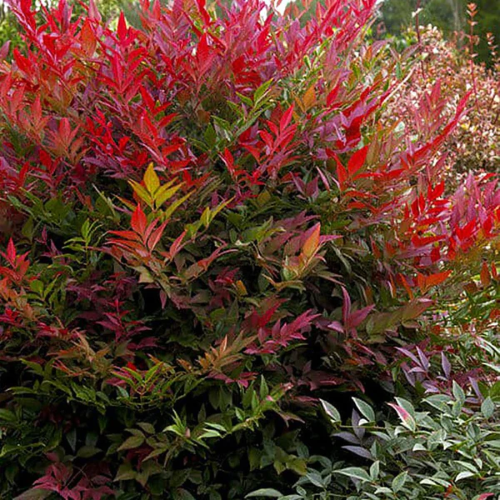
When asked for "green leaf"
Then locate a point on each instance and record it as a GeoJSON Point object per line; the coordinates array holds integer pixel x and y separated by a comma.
{"type": "Point", "coordinates": [265, 492]}
{"type": "Point", "coordinates": [365, 409]}
{"type": "Point", "coordinates": [488, 407]}
{"type": "Point", "coordinates": [182, 494]}
{"type": "Point", "coordinates": [173, 207]}
{"type": "Point", "coordinates": [34, 495]}
{"type": "Point", "coordinates": [264, 389]}
{"type": "Point", "coordinates": [428, 481]}
{"type": "Point", "coordinates": [125, 473]}
{"type": "Point", "coordinates": [464, 475]}
{"type": "Point", "coordinates": [316, 479]}
{"type": "Point", "coordinates": [131, 443]}
{"type": "Point", "coordinates": [210, 136]}
{"type": "Point", "coordinates": [88, 451]}
{"type": "Point", "coordinates": [298, 465]}
{"type": "Point", "coordinates": [246, 100]}
{"type": "Point", "coordinates": [254, 456]}
{"type": "Point", "coordinates": [37, 286]}
{"type": "Point", "coordinates": [217, 426]}
{"type": "Point", "coordinates": [28, 229]}
{"type": "Point", "coordinates": [438, 401]}
{"type": "Point", "coordinates": [147, 427]}
{"type": "Point", "coordinates": [210, 433]}
{"type": "Point", "coordinates": [494, 444]}
{"type": "Point", "coordinates": [375, 470]}
{"type": "Point", "coordinates": [141, 192]}
{"type": "Point", "coordinates": [7, 415]}
{"type": "Point", "coordinates": [71, 438]}
{"type": "Point", "coordinates": [399, 481]}
{"type": "Point", "coordinates": [468, 466]}
{"type": "Point", "coordinates": [36, 367]}
{"type": "Point", "coordinates": [331, 411]}
{"type": "Point", "coordinates": [354, 473]}
{"type": "Point", "coordinates": [458, 392]}
{"type": "Point", "coordinates": [261, 91]}
{"type": "Point", "coordinates": [435, 481]}
{"type": "Point", "coordinates": [205, 217]}
{"type": "Point", "coordinates": [383, 489]}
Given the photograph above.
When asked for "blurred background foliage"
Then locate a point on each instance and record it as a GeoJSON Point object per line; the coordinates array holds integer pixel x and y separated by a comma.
{"type": "Point", "coordinates": [450, 16]}
{"type": "Point", "coordinates": [8, 26]}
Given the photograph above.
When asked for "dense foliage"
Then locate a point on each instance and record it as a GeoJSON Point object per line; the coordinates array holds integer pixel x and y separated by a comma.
{"type": "Point", "coordinates": [209, 223]}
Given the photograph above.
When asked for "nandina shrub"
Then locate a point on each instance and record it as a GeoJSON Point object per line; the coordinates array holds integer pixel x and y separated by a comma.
{"type": "Point", "coordinates": [205, 227]}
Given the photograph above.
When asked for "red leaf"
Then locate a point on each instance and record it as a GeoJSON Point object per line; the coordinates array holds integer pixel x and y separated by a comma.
{"type": "Point", "coordinates": [154, 238]}
{"type": "Point", "coordinates": [11, 252]}
{"type": "Point", "coordinates": [356, 161]}
{"type": "Point", "coordinates": [286, 118]}
{"type": "Point", "coordinates": [122, 27]}
{"type": "Point", "coordinates": [485, 275]}
{"type": "Point", "coordinates": [203, 11]}
{"type": "Point", "coordinates": [139, 221]}
{"type": "Point", "coordinates": [341, 174]}
{"type": "Point", "coordinates": [176, 246]}
{"type": "Point", "coordinates": [427, 282]}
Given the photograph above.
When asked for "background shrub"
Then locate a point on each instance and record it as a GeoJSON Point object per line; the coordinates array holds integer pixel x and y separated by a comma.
{"type": "Point", "coordinates": [474, 146]}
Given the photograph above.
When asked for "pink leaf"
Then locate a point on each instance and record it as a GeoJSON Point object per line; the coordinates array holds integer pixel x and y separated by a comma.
{"type": "Point", "coordinates": [407, 419]}
{"type": "Point", "coordinates": [346, 306]}
{"type": "Point", "coordinates": [357, 317]}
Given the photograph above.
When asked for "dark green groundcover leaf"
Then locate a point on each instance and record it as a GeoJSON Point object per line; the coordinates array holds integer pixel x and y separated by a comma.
{"type": "Point", "coordinates": [265, 493]}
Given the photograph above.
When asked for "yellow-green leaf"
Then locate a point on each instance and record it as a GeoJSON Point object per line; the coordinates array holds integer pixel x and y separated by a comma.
{"type": "Point", "coordinates": [151, 180]}
{"type": "Point", "coordinates": [205, 217]}
{"type": "Point", "coordinates": [173, 207]}
{"type": "Point", "coordinates": [142, 193]}
{"type": "Point", "coordinates": [165, 193]}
